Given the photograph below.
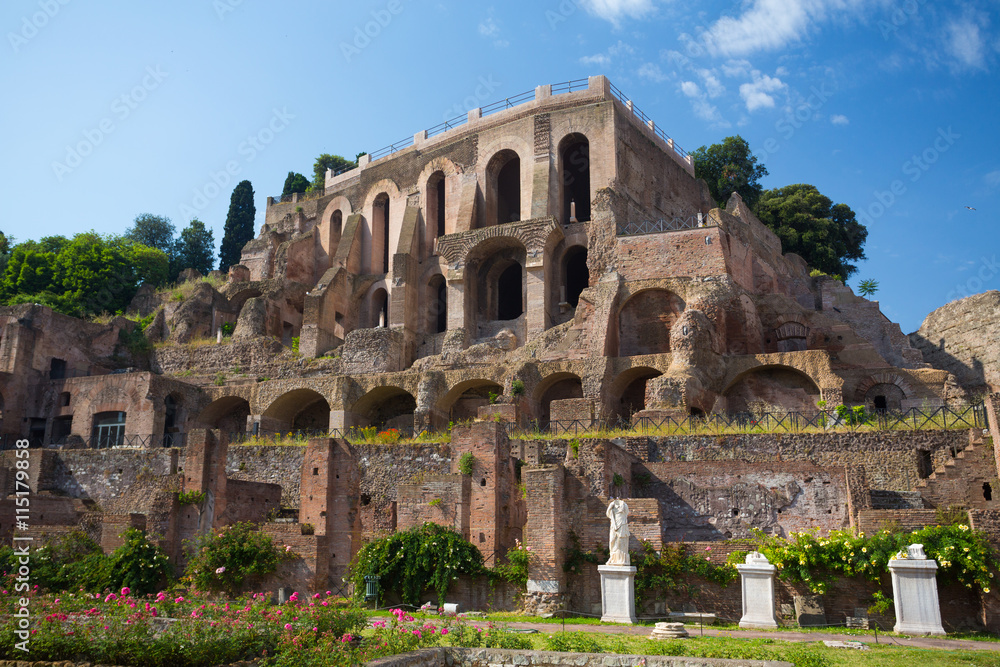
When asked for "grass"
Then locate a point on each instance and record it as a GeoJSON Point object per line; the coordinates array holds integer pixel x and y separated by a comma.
{"type": "Point", "coordinates": [181, 291]}
{"type": "Point", "coordinates": [297, 440]}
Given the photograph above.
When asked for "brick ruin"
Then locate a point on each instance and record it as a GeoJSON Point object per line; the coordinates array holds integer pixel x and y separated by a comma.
{"type": "Point", "coordinates": [561, 245]}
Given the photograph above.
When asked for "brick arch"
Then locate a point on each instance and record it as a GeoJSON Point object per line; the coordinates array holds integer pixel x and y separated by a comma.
{"type": "Point", "coordinates": [386, 406]}
{"type": "Point", "coordinates": [327, 236]}
{"type": "Point", "coordinates": [447, 401]}
{"type": "Point", "coordinates": [884, 377]}
{"type": "Point", "coordinates": [623, 390]}
{"type": "Point", "coordinates": [226, 413]}
{"type": "Point", "coordinates": [645, 320]}
{"type": "Point", "coordinates": [298, 409]}
{"type": "Point", "coordinates": [785, 387]}
{"type": "Point", "coordinates": [486, 173]}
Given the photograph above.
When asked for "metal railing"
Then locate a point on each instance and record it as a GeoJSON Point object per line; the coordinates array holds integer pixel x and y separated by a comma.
{"type": "Point", "coordinates": [646, 119]}
{"type": "Point", "coordinates": [135, 441]}
{"type": "Point", "coordinates": [631, 228]}
{"type": "Point", "coordinates": [355, 435]}
{"type": "Point", "coordinates": [508, 102]}
{"type": "Point", "coordinates": [570, 86]}
{"type": "Point", "coordinates": [914, 419]}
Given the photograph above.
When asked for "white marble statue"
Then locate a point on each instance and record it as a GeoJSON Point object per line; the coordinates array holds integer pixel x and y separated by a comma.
{"type": "Point", "coordinates": [618, 540]}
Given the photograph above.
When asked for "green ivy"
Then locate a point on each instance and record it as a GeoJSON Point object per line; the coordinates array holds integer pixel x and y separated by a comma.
{"type": "Point", "coordinates": [408, 562]}
{"type": "Point", "coordinates": [576, 556]}
{"type": "Point", "coordinates": [515, 570]}
{"type": "Point", "coordinates": [516, 388]}
{"type": "Point", "coordinates": [465, 463]}
{"type": "Point", "coordinates": [236, 555]}
{"type": "Point", "coordinates": [191, 497]}
{"type": "Point", "coordinates": [138, 564]}
{"type": "Point", "coordinates": [670, 569]}
{"type": "Point", "coordinates": [964, 555]}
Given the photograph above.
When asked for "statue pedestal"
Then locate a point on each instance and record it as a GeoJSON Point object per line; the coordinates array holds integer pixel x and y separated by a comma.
{"type": "Point", "coordinates": [617, 593]}
{"type": "Point", "coordinates": [757, 576]}
{"type": "Point", "coordinates": [915, 594]}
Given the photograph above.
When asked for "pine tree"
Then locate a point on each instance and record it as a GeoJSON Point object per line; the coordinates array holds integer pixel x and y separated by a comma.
{"type": "Point", "coordinates": [195, 248]}
{"type": "Point", "coordinates": [239, 225]}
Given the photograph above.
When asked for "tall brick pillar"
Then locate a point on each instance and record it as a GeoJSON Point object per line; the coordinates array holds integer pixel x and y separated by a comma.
{"type": "Point", "coordinates": [205, 471]}
{"type": "Point", "coordinates": [992, 405]}
{"type": "Point", "coordinates": [535, 271]}
{"type": "Point", "coordinates": [329, 496]}
{"type": "Point", "coordinates": [492, 484]}
{"type": "Point", "coordinates": [545, 532]}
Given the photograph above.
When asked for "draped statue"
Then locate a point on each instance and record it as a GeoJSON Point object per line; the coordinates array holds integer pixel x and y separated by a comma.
{"type": "Point", "coordinates": [618, 540]}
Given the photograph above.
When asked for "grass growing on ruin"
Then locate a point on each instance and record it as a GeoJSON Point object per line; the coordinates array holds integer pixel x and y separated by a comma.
{"type": "Point", "coordinates": [181, 291]}
{"type": "Point", "coordinates": [360, 437]}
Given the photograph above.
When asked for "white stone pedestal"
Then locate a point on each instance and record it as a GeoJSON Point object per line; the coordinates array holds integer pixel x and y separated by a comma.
{"type": "Point", "coordinates": [617, 593]}
{"type": "Point", "coordinates": [914, 592]}
{"type": "Point", "coordinates": [757, 576]}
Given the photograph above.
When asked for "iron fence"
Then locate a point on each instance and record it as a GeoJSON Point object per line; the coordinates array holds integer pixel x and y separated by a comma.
{"type": "Point", "coordinates": [646, 119]}
{"type": "Point", "coordinates": [355, 434]}
{"type": "Point", "coordinates": [631, 228]}
{"type": "Point", "coordinates": [914, 419]}
{"type": "Point", "coordinates": [570, 86]}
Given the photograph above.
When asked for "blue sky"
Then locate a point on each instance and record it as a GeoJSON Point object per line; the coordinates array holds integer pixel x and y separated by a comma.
{"type": "Point", "coordinates": [888, 106]}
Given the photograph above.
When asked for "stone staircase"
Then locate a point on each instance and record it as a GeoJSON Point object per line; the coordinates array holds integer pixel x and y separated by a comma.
{"type": "Point", "coordinates": [967, 479]}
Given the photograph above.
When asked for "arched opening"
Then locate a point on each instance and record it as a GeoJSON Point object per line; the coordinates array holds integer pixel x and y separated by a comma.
{"type": "Point", "coordinates": [437, 300]}
{"type": "Point", "coordinates": [645, 320]}
{"type": "Point", "coordinates": [336, 227]}
{"type": "Point", "coordinates": [435, 205]}
{"type": "Point", "coordinates": [884, 397]}
{"type": "Point", "coordinates": [632, 385]}
{"type": "Point", "coordinates": [463, 401]}
{"type": "Point", "coordinates": [227, 414]}
{"type": "Point", "coordinates": [380, 234]}
{"type": "Point", "coordinates": [509, 293]}
{"type": "Point", "coordinates": [772, 389]}
{"type": "Point", "coordinates": [386, 407]}
{"type": "Point", "coordinates": [574, 160]}
{"type": "Point", "coordinates": [379, 309]}
{"type": "Point", "coordinates": [987, 491]}
{"type": "Point", "coordinates": [172, 420]}
{"type": "Point", "coordinates": [64, 399]}
{"type": "Point", "coordinates": [576, 274]}
{"type": "Point", "coordinates": [557, 387]}
{"type": "Point", "coordinates": [503, 194]}
{"type": "Point", "coordinates": [300, 410]}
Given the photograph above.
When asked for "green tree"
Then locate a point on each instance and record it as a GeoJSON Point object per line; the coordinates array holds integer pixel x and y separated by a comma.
{"type": "Point", "coordinates": [195, 249]}
{"type": "Point", "coordinates": [867, 288]}
{"type": "Point", "coordinates": [826, 235]}
{"type": "Point", "coordinates": [327, 161]}
{"type": "Point", "coordinates": [239, 225]}
{"type": "Point", "coordinates": [155, 231]}
{"type": "Point", "coordinates": [730, 167]}
{"type": "Point", "coordinates": [294, 182]}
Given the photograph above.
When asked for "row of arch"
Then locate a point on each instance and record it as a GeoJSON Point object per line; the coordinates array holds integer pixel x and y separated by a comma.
{"type": "Point", "coordinates": [503, 202]}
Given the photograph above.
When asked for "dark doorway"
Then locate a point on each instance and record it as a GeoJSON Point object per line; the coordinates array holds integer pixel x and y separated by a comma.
{"type": "Point", "coordinates": [438, 297]}
{"type": "Point", "coordinates": [385, 238]}
{"type": "Point", "coordinates": [880, 404]}
{"type": "Point", "coordinates": [577, 274]}
{"type": "Point", "coordinates": [509, 192]}
{"type": "Point", "coordinates": [509, 298]}
{"type": "Point", "coordinates": [987, 491]}
{"type": "Point", "coordinates": [576, 178]}
{"type": "Point", "coordinates": [57, 369]}
{"type": "Point", "coordinates": [440, 207]}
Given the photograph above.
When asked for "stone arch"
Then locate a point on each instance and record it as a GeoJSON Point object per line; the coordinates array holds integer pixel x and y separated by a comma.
{"type": "Point", "coordinates": [331, 226]}
{"type": "Point", "coordinates": [462, 401]}
{"type": "Point", "coordinates": [573, 166]}
{"type": "Point", "coordinates": [503, 187]}
{"type": "Point", "coordinates": [376, 307]}
{"type": "Point", "coordinates": [883, 392]}
{"type": "Point", "coordinates": [440, 206]}
{"type": "Point", "coordinates": [791, 333]}
{"type": "Point", "coordinates": [499, 152]}
{"type": "Point", "coordinates": [300, 409]}
{"type": "Point", "coordinates": [174, 417]}
{"type": "Point", "coordinates": [436, 304]}
{"type": "Point", "coordinates": [574, 274]}
{"type": "Point", "coordinates": [384, 407]}
{"type": "Point", "coordinates": [383, 219]}
{"type": "Point", "coordinates": [228, 414]}
{"type": "Point", "coordinates": [645, 320]}
{"type": "Point", "coordinates": [498, 291]}
{"type": "Point", "coordinates": [628, 391]}
{"type": "Point", "coordinates": [776, 387]}
{"type": "Point", "coordinates": [557, 386]}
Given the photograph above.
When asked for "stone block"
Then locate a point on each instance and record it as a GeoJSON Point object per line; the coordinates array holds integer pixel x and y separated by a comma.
{"type": "Point", "coordinates": [757, 576]}
{"type": "Point", "coordinates": [915, 593]}
{"type": "Point", "coordinates": [809, 610]}
{"type": "Point", "coordinates": [617, 593]}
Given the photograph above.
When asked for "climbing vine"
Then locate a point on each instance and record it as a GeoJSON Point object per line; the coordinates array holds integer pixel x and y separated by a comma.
{"type": "Point", "coordinates": [671, 568]}
{"type": "Point", "coordinates": [408, 562]}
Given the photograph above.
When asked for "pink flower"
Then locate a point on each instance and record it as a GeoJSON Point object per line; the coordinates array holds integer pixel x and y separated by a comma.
{"type": "Point", "coordinates": [126, 590]}
{"type": "Point", "coordinates": [56, 601]}
{"type": "Point", "coordinates": [220, 570]}
{"type": "Point", "coordinates": [315, 629]}
{"type": "Point", "coordinates": [329, 593]}
{"type": "Point", "coordinates": [179, 599]}
{"type": "Point", "coordinates": [153, 611]}
{"type": "Point", "coordinates": [288, 626]}
{"type": "Point", "coordinates": [287, 548]}
{"type": "Point", "coordinates": [161, 596]}
{"type": "Point", "coordinates": [111, 596]}
{"type": "Point", "coordinates": [315, 596]}
{"type": "Point", "coordinates": [444, 631]}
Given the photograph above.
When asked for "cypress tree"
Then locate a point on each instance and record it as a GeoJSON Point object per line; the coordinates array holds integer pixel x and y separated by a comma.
{"type": "Point", "coordinates": [239, 225]}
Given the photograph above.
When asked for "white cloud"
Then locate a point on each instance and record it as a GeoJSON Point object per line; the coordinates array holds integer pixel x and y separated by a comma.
{"type": "Point", "coordinates": [491, 30]}
{"type": "Point", "coordinates": [964, 43]}
{"type": "Point", "coordinates": [652, 72]}
{"type": "Point", "coordinates": [992, 179]}
{"type": "Point", "coordinates": [733, 68]}
{"type": "Point", "coordinates": [604, 59]}
{"type": "Point", "coordinates": [599, 59]}
{"type": "Point", "coordinates": [839, 119]}
{"type": "Point", "coordinates": [615, 10]}
{"type": "Point", "coordinates": [769, 25]}
{"type": "Point", "coordinates": [713, 86]}
{"type": "Point", "coordinates": [690, 88]}
{"type": "Point", "coordinates": [700, 104]}
{"type": "Point", "coordinates": [756, 94]}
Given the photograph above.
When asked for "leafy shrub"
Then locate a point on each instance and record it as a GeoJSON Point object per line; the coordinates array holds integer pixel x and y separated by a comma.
{"type": "Point", "coordinates": [389, 436]}
{"type": "Point", "coordinates": [191, 497]}
{"type": "Point", "coordinates": [465, 463]}
{"type": "Point", "coordinates": [574, 446]}
{"type": "Point", "coordinates": [295, 346]}
{"type": "Point", "coordinates": [407, 562]}
{"type": "Point", "coordinates": [515, 570]}
{"type": "Point", "coordinates": [228, 328]}
{"type": "Point", "coordinates": [137, 564]}
{"type": "Point", "coordinates": [237, 555]}
{"type": "Point", "coordinates": [671, 569]}
{"type": "Point", "coordinates": [573, 642]}
{"type": "Point", "coordinates": [70, 562]}
{"type": "Point", "coordinates": [517, 388]}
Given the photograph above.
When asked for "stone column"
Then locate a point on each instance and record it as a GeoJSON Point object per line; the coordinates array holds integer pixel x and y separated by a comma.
{"type": "Point", "coordinates": [545, 532]}
{"type": "Point", "coordinates": [617, 593]}
{"type": "Point", "coordinates": [914, 592]}
{"type": "Point", "coordinates": [535, 307]}
{"type": "Point", "coordinates": [757, 576]}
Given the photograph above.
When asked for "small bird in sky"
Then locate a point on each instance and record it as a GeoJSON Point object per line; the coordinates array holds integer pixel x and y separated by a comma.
{"type": "Point", "coordinates": [970, 208]}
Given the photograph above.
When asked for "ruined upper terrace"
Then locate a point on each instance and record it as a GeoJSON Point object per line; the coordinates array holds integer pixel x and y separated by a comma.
{"type": "Point", "coordinates": [542, 98]}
